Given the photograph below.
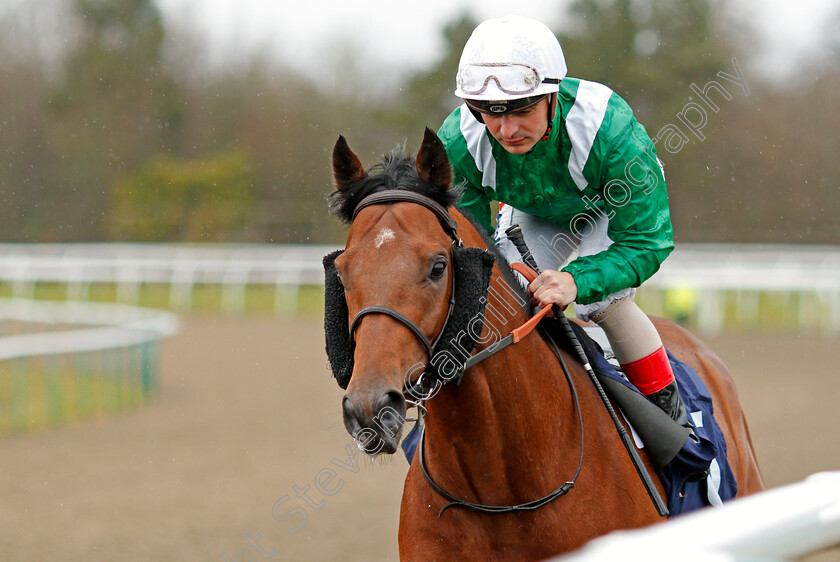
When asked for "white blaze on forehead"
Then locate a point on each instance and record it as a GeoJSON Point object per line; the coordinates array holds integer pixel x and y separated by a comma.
{"type": "Point", "coordinates": [386, 235]}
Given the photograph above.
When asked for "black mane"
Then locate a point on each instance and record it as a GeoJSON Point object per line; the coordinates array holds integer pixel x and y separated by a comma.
{"type": "Point", "coordinates": [396, 171]}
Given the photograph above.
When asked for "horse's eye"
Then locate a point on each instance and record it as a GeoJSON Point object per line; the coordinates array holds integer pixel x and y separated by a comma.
{"type": "Point", "coordinates": [438, 269]}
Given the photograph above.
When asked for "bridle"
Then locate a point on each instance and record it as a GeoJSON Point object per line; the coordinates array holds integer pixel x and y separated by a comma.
{"type": "Point", "coordinates": [451, 228]}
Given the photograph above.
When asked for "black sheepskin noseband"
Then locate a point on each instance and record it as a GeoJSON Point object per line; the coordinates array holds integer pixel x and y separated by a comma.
{"type": "Point", "coordinates": [472, 269]}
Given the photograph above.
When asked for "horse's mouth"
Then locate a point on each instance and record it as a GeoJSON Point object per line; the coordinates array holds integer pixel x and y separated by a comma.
{"type": "Point", "coordinates": [380, 433]}
{"type": "Point", "coordinates": [374, 443]}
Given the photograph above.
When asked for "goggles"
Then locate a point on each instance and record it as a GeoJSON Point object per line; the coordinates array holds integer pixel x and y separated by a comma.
{"type": "Point", "coordinates": [512, 78]}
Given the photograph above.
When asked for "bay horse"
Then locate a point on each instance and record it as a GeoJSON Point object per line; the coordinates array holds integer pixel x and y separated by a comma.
{"type": "Point", "coordinates": [510, 428]}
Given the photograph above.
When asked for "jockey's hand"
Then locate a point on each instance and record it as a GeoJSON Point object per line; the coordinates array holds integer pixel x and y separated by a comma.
{"type": "Point", "coordinates": [553, 287]}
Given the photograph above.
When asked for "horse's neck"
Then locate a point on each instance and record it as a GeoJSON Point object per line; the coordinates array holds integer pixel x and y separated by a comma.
{"type": "Point", "coordinates": [518, 375]}
{"type": "Point", "coordinates": [525, 368]}
{"type": "Point", "coordinates": [508, 406]}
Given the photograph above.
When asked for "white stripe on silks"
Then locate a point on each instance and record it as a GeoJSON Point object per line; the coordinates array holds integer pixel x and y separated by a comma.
{"type": "Point", "coordinates": [479, 146]}
{"type": "Point", "coordinates": [582, 124]}
{"type": "Point", "coordinates": [503, 220]}
{"type": "Point", "coordinates": [713, 484]}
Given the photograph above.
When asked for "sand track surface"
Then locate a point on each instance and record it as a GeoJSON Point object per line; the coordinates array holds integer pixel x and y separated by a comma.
{"type": "Point", "coordinates": [243, 452]}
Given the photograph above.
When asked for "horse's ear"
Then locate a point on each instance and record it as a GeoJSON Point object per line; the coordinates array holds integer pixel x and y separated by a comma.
{"type": "Point", "coordinates": [433, 163]}
{"type": "Point", "coordinates": [347, 168]}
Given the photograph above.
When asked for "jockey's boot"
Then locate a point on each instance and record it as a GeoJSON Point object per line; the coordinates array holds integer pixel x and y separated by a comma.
{"type": "Point", "coordinates": [653, 376]}
{"type": "Point", "coordinates": [669, 401]}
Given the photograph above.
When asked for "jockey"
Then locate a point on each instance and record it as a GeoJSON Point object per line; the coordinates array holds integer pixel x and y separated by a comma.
{"type": "Point", "coordinates": [574, 169]}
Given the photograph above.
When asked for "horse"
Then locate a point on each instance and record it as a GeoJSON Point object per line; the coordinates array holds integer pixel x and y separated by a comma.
{"type": "Point", "coordinates": [509, 429]}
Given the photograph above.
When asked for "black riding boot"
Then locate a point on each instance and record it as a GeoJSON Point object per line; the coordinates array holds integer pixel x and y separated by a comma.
{"type": "Point", "coordinates": [669, 401]}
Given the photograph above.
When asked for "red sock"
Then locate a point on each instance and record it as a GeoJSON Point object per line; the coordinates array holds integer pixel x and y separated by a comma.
{"type": "Point", "coordinates": [650, 374]}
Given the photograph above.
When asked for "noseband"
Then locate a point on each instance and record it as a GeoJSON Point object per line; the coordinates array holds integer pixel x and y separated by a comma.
{"type": "Point", "coordinates": [415, 329]}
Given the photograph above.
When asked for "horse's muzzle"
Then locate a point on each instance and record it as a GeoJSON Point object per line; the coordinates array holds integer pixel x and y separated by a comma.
{"type": "Point", "coordinates": [376, 429]}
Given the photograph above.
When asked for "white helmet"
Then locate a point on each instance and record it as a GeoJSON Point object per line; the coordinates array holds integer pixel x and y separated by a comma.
{"type": "Point", "coordinates": [510, 58]}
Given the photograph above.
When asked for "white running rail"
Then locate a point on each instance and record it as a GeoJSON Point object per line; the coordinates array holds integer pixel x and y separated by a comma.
{"type": "Point", "coordinates": [118, 326]}
{"type": "Point", "coordinates": [707, 271]}
{"type": "Point", "coordinates": [780, 524]}
{"type": "Point", "coordinates": [64, 361]}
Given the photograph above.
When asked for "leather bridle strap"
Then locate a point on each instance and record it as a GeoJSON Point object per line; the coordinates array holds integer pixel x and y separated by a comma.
{"type": "Point", "coordinates": [403, 196]}
{"type": "Point", "coordinates": [404, 320]}
{"type": "Point", "coordinates": [394, 314]}
{"type": "Point", "coordinates": [451, 229]}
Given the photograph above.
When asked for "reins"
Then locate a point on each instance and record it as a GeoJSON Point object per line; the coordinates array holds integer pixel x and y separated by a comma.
{"type": "Point", "coordinates": [515, 336]}
{"type": "Point", "coordinates": [527, 506]}
{"type": "Point", "coordinates": [514, 234]}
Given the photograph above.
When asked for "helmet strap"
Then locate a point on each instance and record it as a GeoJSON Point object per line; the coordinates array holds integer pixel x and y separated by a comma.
{"type": "Point", "coordinates": [551, 109]}
{"type": "Point", "coordinates": [476, 113]}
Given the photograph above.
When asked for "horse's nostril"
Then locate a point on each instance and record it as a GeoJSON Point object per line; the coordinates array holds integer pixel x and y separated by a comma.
{"type": "Point", "coordinates": [392, 399]}
{"type": "Point", "coordinates": [390, 412]}
{"type": "Point", "coordinates": [351, 416]}
{"type": "Point", "coordinates": [379, 432]}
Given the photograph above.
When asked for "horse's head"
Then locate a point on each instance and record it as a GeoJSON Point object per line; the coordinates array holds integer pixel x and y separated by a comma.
{"type": "Point", "coordinates": [392, 286]}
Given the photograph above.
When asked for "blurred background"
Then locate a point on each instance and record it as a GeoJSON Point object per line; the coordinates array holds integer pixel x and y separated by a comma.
{"type": "Point", "coordinates": [164, 393]}
{"type": "Point", "coordinates": [179, 120]}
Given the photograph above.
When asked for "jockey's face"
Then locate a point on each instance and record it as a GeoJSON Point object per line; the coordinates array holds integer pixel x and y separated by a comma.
{"type": "Point", "coordinates": [519, 132]}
